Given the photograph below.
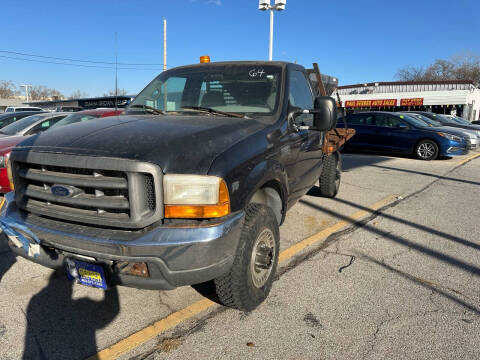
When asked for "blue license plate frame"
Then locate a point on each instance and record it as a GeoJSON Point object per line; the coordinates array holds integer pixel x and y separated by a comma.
{"type": "Point", "coordinates": [89, 274]}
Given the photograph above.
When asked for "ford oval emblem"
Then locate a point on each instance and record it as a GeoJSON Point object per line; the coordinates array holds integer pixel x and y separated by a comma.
{"type": "Point", "coordinates": [63, 190]}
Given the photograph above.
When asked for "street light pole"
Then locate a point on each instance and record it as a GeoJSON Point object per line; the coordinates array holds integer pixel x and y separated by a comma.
{"type": "Point", "coordinates": [270, 48]}
{"type": "Point", "coordinates": [265, 5]}
{"type": "Point", "coordinates": [26, 90]}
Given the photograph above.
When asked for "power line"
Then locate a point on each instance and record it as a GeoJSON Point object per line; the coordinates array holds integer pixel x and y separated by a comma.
{"type": "Point", "coordinates": [77, 60]}
{"type": "Point", "coordinates": [77, 65]}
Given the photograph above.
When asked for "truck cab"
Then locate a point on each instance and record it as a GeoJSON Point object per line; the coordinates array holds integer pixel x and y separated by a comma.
{"type": "Point", "coordinates": [189, 186]}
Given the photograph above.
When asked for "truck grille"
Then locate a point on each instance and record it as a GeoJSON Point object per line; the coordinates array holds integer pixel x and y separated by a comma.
{"type": "Point", "coordinates": [100, 191]}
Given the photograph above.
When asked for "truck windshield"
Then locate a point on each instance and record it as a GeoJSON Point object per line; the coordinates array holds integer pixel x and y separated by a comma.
{"type": "Point", "coordinates": [241, 89]}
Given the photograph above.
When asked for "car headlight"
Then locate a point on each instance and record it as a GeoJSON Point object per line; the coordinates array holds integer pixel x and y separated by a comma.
{"type": "Point", "coordinates": [195, 196]}
{"type": "Point", "coordinates": [450, 136]}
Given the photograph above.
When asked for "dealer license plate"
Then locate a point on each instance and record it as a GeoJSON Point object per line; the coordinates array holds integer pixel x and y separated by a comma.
{"type": "Point", "coordinates": [86, 273]}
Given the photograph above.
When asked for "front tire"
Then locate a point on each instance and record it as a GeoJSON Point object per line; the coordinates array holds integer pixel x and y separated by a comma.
{"type": "Point", "coordinates": [329, 182]}
{"type": "Point", "coordinates": [426, 150]}
{"type": "Point", "coordinates": [250, 279]}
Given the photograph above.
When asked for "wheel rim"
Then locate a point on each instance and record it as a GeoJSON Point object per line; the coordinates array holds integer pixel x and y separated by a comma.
{"type": "Point", "coordinates": [263, 254]}
{"type": "Point", "coordinates": [426, 150]}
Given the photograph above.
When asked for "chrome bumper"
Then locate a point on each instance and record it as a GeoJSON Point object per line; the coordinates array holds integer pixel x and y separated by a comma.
{"type": "Point", "coordinates": [177, 254]}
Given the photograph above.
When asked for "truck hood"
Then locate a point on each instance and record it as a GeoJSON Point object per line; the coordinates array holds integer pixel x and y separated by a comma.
{"type": "Point", "coordinates": [178, 144]}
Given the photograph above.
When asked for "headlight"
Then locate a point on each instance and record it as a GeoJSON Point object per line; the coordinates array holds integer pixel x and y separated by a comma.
{"type": "Point", "coordinates": [195, 196]}
{"type": "Point", "coordinates": [450, 136]}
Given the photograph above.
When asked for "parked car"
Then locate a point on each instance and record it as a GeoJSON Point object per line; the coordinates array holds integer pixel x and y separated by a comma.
{"type": "Point", "coordinates": [22, 108]}
{"type": "Point", "coordinates": [178, 192]}
{"type": "Point", "coordinates": [87, 115]}
{"type": "Point", "coordinates": [447, 121]}
{"type": "Point", "coordinates": [474, 136]}
{"type": "Point", "coordinates": [392, 132]}
{"type": "Point", "coordinates": [8, 118]}
{"type": "Point", "coordinates": [32, 124]}
{"type": "Point", "coordinates": [68, 108]}
{"type": "Point", "coordinates": [9, 142]}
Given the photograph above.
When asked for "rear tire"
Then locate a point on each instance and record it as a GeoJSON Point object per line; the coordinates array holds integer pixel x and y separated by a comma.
{"type": "Point", "coordinates": [250, 279]}
{"type": "Point", "coordinates": [426, 150]}
{"type": "Point", "coordinates": [331, 176]}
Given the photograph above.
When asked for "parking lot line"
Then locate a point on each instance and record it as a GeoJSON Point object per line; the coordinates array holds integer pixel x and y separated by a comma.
{"type": "Point", "coordinates": [140, 337]}
{"type": "Point", "coordinates": [469, 159]}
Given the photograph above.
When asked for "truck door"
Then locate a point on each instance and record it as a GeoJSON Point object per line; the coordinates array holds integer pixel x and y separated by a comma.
{"type": "Point", "coordinates": [306, 145]}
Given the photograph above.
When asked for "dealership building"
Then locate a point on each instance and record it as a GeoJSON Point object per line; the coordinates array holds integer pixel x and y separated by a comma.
{"type": "Point", "coordinates": [456, 97]}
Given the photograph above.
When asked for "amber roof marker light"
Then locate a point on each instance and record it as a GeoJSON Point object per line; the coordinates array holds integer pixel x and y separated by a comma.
{"type": "Point", "coordinates": [204, 59]}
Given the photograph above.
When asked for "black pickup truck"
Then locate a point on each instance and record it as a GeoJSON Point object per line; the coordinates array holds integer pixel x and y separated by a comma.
{"type": "Point", "coordinates": [189, 186]}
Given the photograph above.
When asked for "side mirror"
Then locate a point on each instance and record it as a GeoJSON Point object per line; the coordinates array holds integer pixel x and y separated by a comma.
{"type": "Point", "coordinates": [403, 127]}
{"type": "Point", "coordinates": [324, 114]}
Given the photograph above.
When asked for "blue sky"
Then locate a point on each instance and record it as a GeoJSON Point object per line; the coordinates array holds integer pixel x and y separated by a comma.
{"type": "Point", "coordinates": [357, 41]}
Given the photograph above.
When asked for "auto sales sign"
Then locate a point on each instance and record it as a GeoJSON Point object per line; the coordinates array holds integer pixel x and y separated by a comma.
{"type": "Point", "coordinates": [370, 103]}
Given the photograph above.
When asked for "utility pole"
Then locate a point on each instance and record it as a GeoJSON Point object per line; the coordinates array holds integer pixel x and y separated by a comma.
{"type": "Point", "coordinates": [26, 90]}
{"type": "Point", "coordinates": [164, 44]}
{"type": "Point", "coordinates": [116, 72]}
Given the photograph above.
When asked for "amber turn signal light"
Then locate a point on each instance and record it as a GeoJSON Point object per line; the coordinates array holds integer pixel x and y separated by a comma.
{"type": "Point", "coordinates": [220, 209]}
{"type": "Point", "coordinates": [204, 59]}
{"type": "Point", "coordinates": [10, 175]}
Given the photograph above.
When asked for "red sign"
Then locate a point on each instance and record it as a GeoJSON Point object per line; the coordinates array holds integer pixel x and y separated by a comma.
{"type": "Point", "coordinates": [371, 103]}
{"type": "Point", "coordinates": [411, 102]}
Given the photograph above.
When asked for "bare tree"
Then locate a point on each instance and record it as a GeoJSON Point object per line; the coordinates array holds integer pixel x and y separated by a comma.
{"type": "Point", "coordinates": [460, 67]}
{"type": "Point", "coordinates": [120, 92]}
{"type": "Point", "coordinates": [78, 94]}
{"type": "Point", "coordinates": [7, 89]}
{"type": "Point", "coordinates": [41, 92]}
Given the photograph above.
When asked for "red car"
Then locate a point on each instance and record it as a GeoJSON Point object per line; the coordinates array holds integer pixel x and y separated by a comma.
{"type": "Point", "coordinates": [8, 143]}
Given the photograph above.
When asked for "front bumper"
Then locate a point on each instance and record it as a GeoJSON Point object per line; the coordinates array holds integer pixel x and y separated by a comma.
{"type": "Point", "coordinates": [176, 254]}
{"type": "Point", "coordinates": [453, 148]}
{"type": "Point", "coordinates": [474, 144]}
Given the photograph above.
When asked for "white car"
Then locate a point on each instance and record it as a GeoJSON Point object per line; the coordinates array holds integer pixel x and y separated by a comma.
{"type": "Point", "coordinates": [23, 108]}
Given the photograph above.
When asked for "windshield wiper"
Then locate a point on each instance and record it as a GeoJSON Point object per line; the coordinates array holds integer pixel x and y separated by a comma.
{"type": "Point", "coordinates": [148, 108]}
{"type": "Point", "coordinates": [212, 111]}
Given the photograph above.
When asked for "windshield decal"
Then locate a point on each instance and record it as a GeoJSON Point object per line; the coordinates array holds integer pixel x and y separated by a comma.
{"type": "Point", "coordinates": [256, 73]}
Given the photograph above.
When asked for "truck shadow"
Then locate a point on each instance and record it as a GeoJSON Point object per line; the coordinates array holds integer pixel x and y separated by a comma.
{"type": "Point", "coordinates": [59, 327]}
{"type": "Point", "coordinates": [7, 258]}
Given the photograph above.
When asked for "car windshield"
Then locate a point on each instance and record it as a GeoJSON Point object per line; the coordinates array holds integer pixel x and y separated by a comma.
{"type": "Point", "coordinates": [412, 120]}
{"type": "Point", "coordinates": [444, 119]}
{"type": "Point", "coordinates": [429, 121]}
{"type": "Point", "coordinates": [74, 118]}
{"type": "Point", "coordinates": [460, 120]}
{"type": "Point", "coordinates": [21, 124]}
{"type": "Point", "coordinates": [240, 89]}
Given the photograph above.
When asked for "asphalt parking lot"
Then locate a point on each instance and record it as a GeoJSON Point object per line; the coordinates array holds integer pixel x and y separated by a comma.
{"type": "Point", "coordinates": [404, 285]}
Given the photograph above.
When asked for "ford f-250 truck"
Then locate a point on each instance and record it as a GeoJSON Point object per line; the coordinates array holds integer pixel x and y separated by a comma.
{"type": "Point", "coordinates": [189, 186]}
